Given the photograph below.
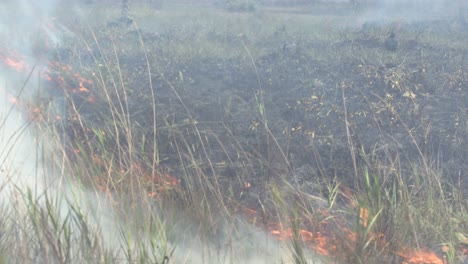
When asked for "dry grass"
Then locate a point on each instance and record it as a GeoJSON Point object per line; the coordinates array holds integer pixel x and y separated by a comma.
{"type": "Point", "coordinates": [134, 173]}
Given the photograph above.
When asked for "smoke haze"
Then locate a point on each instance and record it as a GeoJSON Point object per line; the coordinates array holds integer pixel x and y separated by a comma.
{"type": "Point", "coordinates": [27, 166]}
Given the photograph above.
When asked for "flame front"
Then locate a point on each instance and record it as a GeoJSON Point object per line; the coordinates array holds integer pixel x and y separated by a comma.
{"type": "Point", "coordinates": [331, 238]}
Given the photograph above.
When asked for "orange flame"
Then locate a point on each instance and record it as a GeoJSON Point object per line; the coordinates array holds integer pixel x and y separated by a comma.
{"type": "Point", "coordinates": [55, 72]}
{"type": "Point", "coordinates": [414, 256]}
{"type": "Point", "coordinates": [18, 64]}
{"type": "Point", "coordinates": [334, 239]}
{"type": "Point", "coordinates": [363, 216]}
{"type": "Point", "coordinates": [321, 239]}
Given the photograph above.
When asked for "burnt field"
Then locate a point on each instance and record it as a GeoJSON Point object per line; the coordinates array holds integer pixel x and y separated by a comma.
{"type": "Point", "coordinates": [336, 129]}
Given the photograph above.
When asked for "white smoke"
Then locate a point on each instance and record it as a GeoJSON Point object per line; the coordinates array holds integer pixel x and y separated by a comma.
{"type": "Point", "coordinates": [26, 165]}
{"type": "Point", "coordinates": [26, 169]}
{"type": "Point", "coordinates": [389, 11]}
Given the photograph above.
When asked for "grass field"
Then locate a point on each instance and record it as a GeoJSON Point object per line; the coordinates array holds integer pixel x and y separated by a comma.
{"type": "Point", "coordinates": [190, 134]}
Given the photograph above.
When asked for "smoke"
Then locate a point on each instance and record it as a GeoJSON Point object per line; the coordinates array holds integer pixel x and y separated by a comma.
{"type": "Point", "coordinates": [385, 12]}
{"type": "Point", "coordinates": [15, 149]}
{"type": "Point", "coordinates": [25, 168]}
{"type": "Point", "coordinates": [22, 26]}
{"type": "Point", "coordinates": [26, 164]}
{"type": "Point", "coordinates": [249, 245]}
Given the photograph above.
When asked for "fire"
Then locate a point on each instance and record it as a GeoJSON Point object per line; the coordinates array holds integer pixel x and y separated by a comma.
{"type": "Point", "coordinates": [323, 245]}
{"type": "Point", "coordinates": [14, 100]}
{"type": "Point", "coordinates": [413, 256]}
{"type": "Point", "coordinates": [332, 238]}
{"type": "Point", "coordinates": [65, 76]}
{"type": "Point", "coordinates": [319, 243]}
{"type": "Point", "coordinates": [62, 75]}
{"type": "Point", "coordinates": [319, 237]}
{"type": "Point", "coordinates": [363, 216]}
{"type": "Point", "coordinates": [16, 63]}
{"type": "Point", "coordinates": [54, 73]}
{"type": "Point", "coordinates": [247, 185]}
{"type": "Point", "coordinates": [161, 179]}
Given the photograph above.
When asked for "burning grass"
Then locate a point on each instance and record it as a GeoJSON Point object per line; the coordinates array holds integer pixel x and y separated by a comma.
{"type": "Point", "coordinates": [323, 141]}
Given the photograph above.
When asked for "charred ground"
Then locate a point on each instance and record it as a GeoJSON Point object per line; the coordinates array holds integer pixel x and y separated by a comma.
{"type": "Point", "coordinates": [245, 109]}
